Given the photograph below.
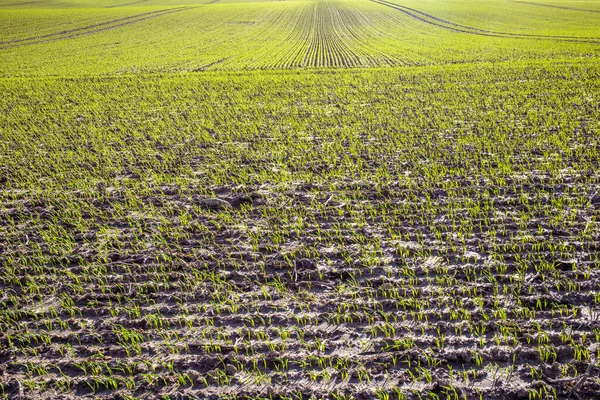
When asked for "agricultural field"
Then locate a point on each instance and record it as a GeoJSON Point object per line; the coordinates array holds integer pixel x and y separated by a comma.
{"type": "Point", "coordinates": [299, 199]}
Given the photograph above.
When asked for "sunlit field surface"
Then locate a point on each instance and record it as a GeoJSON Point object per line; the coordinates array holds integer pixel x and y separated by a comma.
{"type": "Point", "coordinates": [329, 199]}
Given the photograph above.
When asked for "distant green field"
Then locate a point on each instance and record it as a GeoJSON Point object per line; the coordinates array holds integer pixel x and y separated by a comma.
{"type": "Point", "coordinates": [328, 199]}
{"type": "Point", "coordinates": [41, 38]}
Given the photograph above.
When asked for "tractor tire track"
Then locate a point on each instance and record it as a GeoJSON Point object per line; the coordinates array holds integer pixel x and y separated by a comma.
{"type": "Point", "coordinates": [416, 16]}
{"type": "Point", "coordinates": [556, 6]}
{"type": "Point", "coordinates": [80, 29]}
{"type": "Point", "coordinates": [209, 65]}
{"type": "Point", "coordinates": [104, 26]}
{"type": "Point", "coordinates": [441, 23]}
{"type": "Point", "coordinates": [21, 4]}
{"type": "Point", "coordinates": [483, 30]}
{"type": "Point", "coordinates": [127, 4]}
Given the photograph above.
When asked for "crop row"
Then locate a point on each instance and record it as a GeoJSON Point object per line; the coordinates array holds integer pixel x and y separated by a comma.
{"type": "Point", "coordinates": [383, 233]}
{"type": "Point", "coordinates": [279, 35]}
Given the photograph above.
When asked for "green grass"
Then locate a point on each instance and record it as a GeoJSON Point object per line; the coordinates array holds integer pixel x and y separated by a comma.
{"type": "Point", "coordinates": [286, 199]}
{"type": "Point", "coordinates": [283, 35]}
